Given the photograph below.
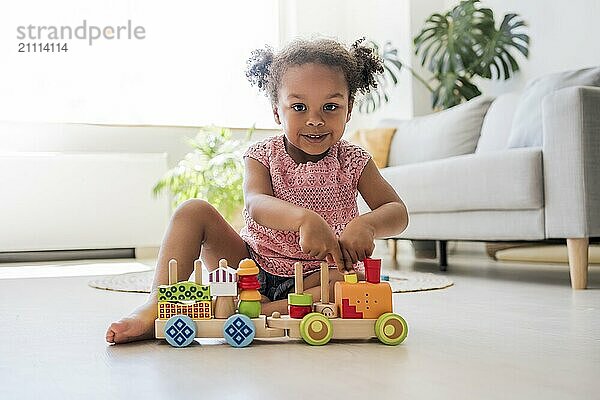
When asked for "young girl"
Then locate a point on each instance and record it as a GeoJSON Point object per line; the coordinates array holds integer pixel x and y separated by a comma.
{"type": "Point", "coordinates": [300, 188]}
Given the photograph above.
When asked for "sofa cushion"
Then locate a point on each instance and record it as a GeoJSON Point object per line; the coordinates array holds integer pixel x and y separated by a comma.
{"type": "Point", "coordinates": [527, 124]}
{"type": "Point", "coordinates": [499, 180]}
{"type": "Point", "coordinates": [376, 141]}
{"type": "Point", "coordinates": [497, 123]}
{"type": "Point", "coordinates": [444, 134]}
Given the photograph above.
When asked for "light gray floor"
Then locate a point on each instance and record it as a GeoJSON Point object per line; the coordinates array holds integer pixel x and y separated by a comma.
{"type": "Point", "coordinates": [502, 331]}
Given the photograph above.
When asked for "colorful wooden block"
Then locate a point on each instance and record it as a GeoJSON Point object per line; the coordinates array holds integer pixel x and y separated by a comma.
{"type": "Point", "coordinates": [351, 278]}
{"type": "Point", "coordinates": [247, 267]}
{"type": "Point", "coordinates": [249, 284]}
{"type": "Point", "coordinates": [184, 291]}
{"type": "Point", "coordinates": [297, 312]}
{"type": "Point", "coordinates": [224, 289]}
{"type": "Point", "coordinates": [239, 330]}
{"type": "Point", "coordinates": [223, 274]}
{"type": "Point", "coordinates": [198, 310]}
{"type": "Point", "coordinates": [224, 307]}
{"type": "Point", "coordinates": [372, 269]}
{"type": "Point", "coordinates": [304, 299]}
{"type": "Point", "coordinates": [363, 299]}
{"type": "Point", "coordinates": [250, 295]}
{"type": "Point", "coordinates": [249, 308]}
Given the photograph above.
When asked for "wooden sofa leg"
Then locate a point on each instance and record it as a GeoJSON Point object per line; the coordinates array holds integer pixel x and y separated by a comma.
{"type": "Point", "coordinates": [442, 253]}
{"type": "Point", "coordinates": [578, 262]}
{"type": "Point", "coordinates": [393, 248]}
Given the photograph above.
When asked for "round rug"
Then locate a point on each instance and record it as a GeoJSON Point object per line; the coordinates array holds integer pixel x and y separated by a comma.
{"type": "Point", "coordinates": [411, 281]}
{"type": "Point", "coordinates": [399, 281]}
{"type": "Point", "coordinates": [138, 282]}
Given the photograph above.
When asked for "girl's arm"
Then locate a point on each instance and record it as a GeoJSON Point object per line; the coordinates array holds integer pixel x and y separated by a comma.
{"type": "Point", "coordinates": [316, 237]}
{"type": "Point", "coordinates": [388, 217]}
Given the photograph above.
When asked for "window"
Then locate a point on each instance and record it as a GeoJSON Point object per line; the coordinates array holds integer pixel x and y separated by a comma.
{"type": "Point", "coordinates": [188, 69]}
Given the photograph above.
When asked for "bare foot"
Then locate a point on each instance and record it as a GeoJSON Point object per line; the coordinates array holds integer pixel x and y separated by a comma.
{"type": "Point", "coordinates": [138, 326]}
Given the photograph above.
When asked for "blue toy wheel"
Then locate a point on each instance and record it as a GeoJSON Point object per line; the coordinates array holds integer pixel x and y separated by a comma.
{"type": "Point", "coordinates": [239, 330]}
{"type": "Point", "coordinates": [180, 331]}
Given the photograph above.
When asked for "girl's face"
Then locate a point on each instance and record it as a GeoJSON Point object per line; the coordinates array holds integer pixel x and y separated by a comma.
{"type": "Point", "coordinates": [313, 108]}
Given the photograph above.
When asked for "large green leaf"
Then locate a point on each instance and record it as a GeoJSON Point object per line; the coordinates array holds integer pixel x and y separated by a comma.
{"type": "Point", "coordinates": [494, 58]}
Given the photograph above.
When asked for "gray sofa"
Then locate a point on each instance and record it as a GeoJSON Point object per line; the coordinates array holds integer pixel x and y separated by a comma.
{"type": "Point", "coordinates": [523, 166]}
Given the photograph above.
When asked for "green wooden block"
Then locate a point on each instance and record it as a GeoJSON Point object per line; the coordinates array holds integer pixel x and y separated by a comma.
{"type": "Point", "coordinates": [184, 291]}
{"type": "Point", "coordinates": [249, 308]}
{"type": "Point", "coordinates": [303, 299]}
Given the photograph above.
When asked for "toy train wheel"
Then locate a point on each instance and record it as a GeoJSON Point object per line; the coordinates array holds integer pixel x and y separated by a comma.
{"type": "Point", "coordinates": [239, 330]}
{"type": "Point", "coordinates": [391, 329]}
{"type": "Point", "coordinates": [180, 331]}
{"type": "Point", "coordinates": [316, 329]}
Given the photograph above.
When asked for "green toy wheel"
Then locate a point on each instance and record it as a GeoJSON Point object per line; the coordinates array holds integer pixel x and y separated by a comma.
{"type": "Point", "coordinates": [391, 329]}
{"type": "Point", "coordinates": [316, 329]}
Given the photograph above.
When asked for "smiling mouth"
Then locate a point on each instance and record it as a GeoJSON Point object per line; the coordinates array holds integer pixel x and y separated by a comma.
{"type": "Point", "coordinates": [315, 135]}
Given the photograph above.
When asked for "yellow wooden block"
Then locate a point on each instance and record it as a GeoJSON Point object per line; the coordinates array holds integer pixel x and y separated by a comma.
{"type": "Point", "coordinates": [351, 278]}
{"type": "Point", "coordinates": [363, 299]}
{"type": "Point", "coordinates": [247, 267]}
{"type": "Point", "coordinates": [250, 295]}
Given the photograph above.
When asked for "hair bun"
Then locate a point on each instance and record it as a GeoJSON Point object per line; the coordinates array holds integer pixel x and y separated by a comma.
{"type": "Point", "coordinates": [368, 64]}
{"type": "Point", "coordinates": [258, 67]}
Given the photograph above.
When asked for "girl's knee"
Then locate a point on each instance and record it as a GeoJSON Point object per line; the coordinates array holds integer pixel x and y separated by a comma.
{"type": "Point", "coordinates": [194, 208]}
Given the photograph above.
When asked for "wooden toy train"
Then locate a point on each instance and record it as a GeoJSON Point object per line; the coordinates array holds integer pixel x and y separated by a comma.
{"type": "Point", "coordinates": [362, 310]}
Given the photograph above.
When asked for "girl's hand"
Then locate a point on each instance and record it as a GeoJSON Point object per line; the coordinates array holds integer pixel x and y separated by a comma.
{"type": "Point", "coordinates": [357, 242]}
{"type": "Point", "coordinates": [318, 240]}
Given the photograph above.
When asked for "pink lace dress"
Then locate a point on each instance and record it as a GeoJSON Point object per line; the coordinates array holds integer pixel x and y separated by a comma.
{"type": "Point", "coordinates": [328, 187]}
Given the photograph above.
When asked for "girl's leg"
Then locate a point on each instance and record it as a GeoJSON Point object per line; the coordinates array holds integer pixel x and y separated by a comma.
{"type": "Point", "coordinates": [196, 228]}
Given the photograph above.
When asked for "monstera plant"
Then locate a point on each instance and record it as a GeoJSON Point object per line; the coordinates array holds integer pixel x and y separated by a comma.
{"type": "Point", "coordinates": [456, 47]}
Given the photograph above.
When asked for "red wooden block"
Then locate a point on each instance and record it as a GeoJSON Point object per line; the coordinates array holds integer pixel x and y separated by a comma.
{"type": "Point", "coordinates": [299, 311]}
{"type": "Point", "coordinates": [249, 285]}
{"type": "Point", "coordinates": [247, 278]}
{"type": "Point", "coordinates": [248, 282]}
{"type": "Point", "coordinates": [372, 269]}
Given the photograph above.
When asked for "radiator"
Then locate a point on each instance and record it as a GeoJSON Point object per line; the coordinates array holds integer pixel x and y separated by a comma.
{"type": "Point", "coordinates": [65, 201]}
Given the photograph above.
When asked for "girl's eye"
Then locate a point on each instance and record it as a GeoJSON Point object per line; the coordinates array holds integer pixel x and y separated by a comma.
{"type": "Point", "coordinates": [330, 107]}
{"type": "Point", "coordinates": [299, 107]}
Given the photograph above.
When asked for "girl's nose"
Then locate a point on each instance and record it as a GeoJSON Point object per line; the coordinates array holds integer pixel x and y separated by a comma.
{"type": "Point", "coordinates": [315, 120]}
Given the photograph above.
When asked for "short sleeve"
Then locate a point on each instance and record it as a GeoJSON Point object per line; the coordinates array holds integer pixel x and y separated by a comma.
{"type": "Point", "coordinates": [353, 159]}
{"type": "Point", "coordinates": [260, 152]}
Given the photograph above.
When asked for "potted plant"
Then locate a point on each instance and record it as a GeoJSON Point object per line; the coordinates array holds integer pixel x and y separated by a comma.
{"type": "Point", "coordinates": [457, 46]}
{"type": "Point", "coordinates": [212, 171]}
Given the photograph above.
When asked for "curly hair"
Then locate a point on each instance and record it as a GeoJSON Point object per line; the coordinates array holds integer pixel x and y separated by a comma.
{"type": "Point", "coordinates": [360, 64]}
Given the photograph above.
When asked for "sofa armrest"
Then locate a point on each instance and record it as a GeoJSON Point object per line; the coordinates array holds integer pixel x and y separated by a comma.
{"type": "Point", "coordinates": [571, 149]}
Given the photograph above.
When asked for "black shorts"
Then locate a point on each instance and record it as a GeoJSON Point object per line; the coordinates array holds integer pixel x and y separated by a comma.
{"type": "Point", "coordinates": [273, 286]}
